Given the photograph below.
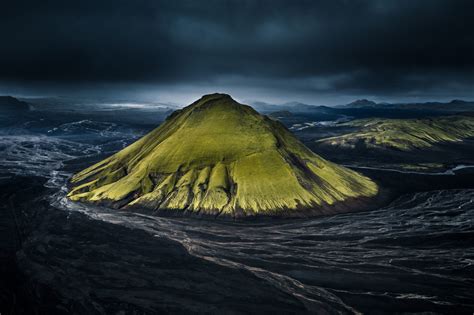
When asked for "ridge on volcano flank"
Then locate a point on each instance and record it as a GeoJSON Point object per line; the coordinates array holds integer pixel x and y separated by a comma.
{"type": "Point", "coordinates": [217, 156]}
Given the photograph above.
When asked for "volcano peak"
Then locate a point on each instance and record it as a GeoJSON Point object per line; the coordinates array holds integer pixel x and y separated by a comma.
{"type": "Point", "coordinates": [217, 156]}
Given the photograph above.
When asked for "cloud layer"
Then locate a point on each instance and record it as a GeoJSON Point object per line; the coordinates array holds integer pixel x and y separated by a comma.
{"type": "Point", "coordinates": [380, 48]}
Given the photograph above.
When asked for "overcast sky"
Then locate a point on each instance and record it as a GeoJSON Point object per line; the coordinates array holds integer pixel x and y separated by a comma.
{"type": "Point", "coordinates": [318, 52]}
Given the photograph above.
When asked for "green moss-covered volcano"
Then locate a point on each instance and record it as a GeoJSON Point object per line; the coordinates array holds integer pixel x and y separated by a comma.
{"type": "Point", "coordinates": [217, 156]}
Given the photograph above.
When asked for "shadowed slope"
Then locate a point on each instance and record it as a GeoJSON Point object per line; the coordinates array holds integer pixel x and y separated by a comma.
{"type": "Point", "coordinates": [217, 156]}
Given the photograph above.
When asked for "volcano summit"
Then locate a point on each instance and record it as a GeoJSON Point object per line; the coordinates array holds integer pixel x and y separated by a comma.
{"type": "Point", "coordinates": [219, 157]}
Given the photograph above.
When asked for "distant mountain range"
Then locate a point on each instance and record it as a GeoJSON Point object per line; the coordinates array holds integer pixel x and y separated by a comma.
{"type": "Point", "coordinates": [454, 105]}
{"type": "Point", "coordinates": [293, 107]}
{"type": "Point", "coordinates": [11, 104]}
{"type": "Point", "coordinates": [78, 104]}
{"type": "Point", "coordinates": [364, 104]}
{"type": "Point", "coordinates": [360, 104]}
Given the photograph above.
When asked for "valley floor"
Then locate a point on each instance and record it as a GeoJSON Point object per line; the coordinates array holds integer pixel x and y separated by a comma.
{"type": "Point", "coordinates": [412, 255]}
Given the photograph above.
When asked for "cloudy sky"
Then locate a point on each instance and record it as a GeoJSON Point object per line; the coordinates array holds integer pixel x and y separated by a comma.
{"type": "Point", "coordinates": [318, 52]}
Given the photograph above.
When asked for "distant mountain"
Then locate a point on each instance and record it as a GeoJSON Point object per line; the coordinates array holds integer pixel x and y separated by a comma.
{"type": "Point", "coordinates": [453, 106]}
{"type": "Point", "coordinates": [265, 107]}
{"type": "Point", "coordinates": [363, 103]}
{"type": "Point", "coordinates": [11, 104]}
{"type": "Point", "coordinates": [297, 106]}
{"type": "Point", "coordinates": [219, 157]}
{"type": "Point", "coordinates": [294, 107]}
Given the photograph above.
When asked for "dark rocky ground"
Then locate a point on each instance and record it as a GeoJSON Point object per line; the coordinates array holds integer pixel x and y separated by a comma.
{"type": "Point", "coordinates": [412, 256]}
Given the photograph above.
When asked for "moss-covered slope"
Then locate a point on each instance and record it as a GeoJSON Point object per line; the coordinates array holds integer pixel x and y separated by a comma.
{"type": "Point", "coordinates": [403, 134]}
{"type": "Point", "coordinates": [217, 156]}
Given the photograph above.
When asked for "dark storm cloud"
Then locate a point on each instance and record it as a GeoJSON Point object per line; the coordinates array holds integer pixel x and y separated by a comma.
{"type": "Point", "coordinates": [360, 47]}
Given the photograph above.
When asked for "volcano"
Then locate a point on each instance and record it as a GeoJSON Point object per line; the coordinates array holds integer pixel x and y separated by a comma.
{"type": "Point", "coordinates": [219, 157]}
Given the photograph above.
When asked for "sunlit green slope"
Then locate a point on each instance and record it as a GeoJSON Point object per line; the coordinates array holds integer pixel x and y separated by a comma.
{"type": "Point", "coordinates": [404, 134]}
{"type": "Point", "coordinates": [217, 156]}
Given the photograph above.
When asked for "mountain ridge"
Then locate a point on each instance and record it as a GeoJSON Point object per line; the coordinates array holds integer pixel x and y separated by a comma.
{"type": "Point", "coordinates": [365, 104]}
{"type": "Point", "coordinates": [403, 134]}
{"type": "Point", "coordinates": [10, 103]}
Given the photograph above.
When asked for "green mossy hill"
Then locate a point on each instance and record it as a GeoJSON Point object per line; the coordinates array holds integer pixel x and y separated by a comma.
{"type": "Point", "coordinates": [217, 156]}
{"type": "Point", "coordinates": [403, 134]}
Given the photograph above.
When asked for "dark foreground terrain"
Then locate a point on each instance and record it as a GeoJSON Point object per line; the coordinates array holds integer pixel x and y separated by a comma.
{"type": "Point", "coordinates": [413, 255]}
